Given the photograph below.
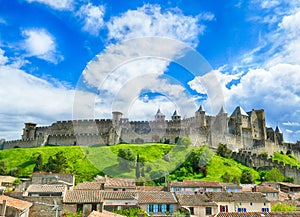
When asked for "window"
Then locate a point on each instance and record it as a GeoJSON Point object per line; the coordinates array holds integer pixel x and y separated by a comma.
{"type": "Point", "coordinates": [208, 211]}
{"type": "Point", "coordinates": [79, 207]}
{"type": "Point", "coordinates": [265, 209]}
{"type": "Point", "coordinates": [159, 208]}
{"type": "Point", "coordinates": [94, 206]}
{"type": "Point", "coordinates": [251, 203]}
{"type": "Point", "coordinates": [224, 208]}
{"type": "Point", "coordinates": [242, 210]}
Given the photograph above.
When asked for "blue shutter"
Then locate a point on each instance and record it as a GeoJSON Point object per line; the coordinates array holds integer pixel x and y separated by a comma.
{"type": "Point", "coordinates": [163, 208]}
{"type": "Point", "coordinates": [245, 210]}
{"type": "Point", "coordinates": [155, 208]}
{"type": "Point", "coordinates": [171, 208]}
{"type": "Point", "coordinates": [239, 209]}
{"type": "Point", "coordinates": [148, 208]}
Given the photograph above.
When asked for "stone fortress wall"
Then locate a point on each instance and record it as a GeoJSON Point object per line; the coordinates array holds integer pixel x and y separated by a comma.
{"type": "Point", "coordinates": [240, 130]}
{"type": "Point", "coordinates": [262, 162]}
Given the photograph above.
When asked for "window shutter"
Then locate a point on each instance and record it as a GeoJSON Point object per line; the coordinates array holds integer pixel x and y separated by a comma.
{"type": "Point", "coordinates": [171, 208]}
{"type": "Point", "coordinates": [220, 208]}
{"type": "Point", "coordinates": [163, 208]}
{"type": "Point", "coordinates": [226, 208]}
{"type": "Point", "coordinates": [148, 208]}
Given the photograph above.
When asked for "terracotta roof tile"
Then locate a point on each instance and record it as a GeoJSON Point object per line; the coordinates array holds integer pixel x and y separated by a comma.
{"type": "Point", "coordinates": [258, 214]}
{"type": "Point", "coordinates": [88, 186]}
{"type": "Point", "coordinates": [192, 183]}
{"type": "Point", "coordinates": [16, 203]}
{"type": "Point", "coordinates": [45, 188]}
{"type": "Point", "coordinates": [119, 182]}
{"type": "Point", "coordinates": [265, 189]}
{"type": "Point", "coordinates": [87, 196]}
{"type": "Point", "coordinates": [150, 197]}
{"type": "Point", "coordinates": [194, 200]}
{"type": "Point", "coordinates": [237, 196]}
{"type": "Point", "coordinates": [150, 188]}
{"type": "Point", "coordinates": [104, 213]}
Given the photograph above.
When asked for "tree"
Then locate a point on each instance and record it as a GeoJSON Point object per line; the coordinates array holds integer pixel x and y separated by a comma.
{"type": "Point", "coordinates": [126, 158]}
{"type": "Point", "coordinates": [137, 167]}
{"type": "Point", "coordinates": [246, 178]}
{"type": "Point", "coordinates": [38, 164]}
{"type": "Point", "coordinates": [282, 207]}
{"type": "Point", "coordinates": [56, 164]}
{"type": "Point", "coordinates": [185, 141]}
{"type": "Point", "coordinates": [274, 175]}
{"type": "Point", "coordinates": [3, 167]}
{"type": "Point", "coordinates": [223, 151]}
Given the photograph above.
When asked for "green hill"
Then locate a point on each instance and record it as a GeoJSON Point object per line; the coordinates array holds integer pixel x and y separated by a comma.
{"type": "Point", "coordinates": [86, 162]}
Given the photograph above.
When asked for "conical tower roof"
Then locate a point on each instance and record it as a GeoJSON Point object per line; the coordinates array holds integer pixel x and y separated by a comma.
{"type": "Point", "coordinates": [201, 109]}
{"type": "Point", "coordinates": [159, 113]}
{"type": "Point", "coordinates": [175, 113]}
{"type": "Point", "coordinates": [278, 130]}
{"type": "Point", "coordinates": [222, 110]}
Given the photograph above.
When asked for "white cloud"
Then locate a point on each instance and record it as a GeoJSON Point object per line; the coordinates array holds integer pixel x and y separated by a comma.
{"type": "Point", "coordinates": [150, 20]}
{"type": "Point", "coordinates": [92, 17]}
{"type": "Point", "coordinates": [56, 4]}
{"type": "Point", "coordinates": [41, 44]}
{"type": "Point", "coordinates": [27, 98]}
{"type": "Point", "coordinates": [3, 59]}
{"type": "Point", "coordinates": [269, 3]}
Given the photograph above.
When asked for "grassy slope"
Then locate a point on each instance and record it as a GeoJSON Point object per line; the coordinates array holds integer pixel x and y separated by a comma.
{"type": "Point", "coordinates": [286, 159]}
{"type": "Point", "coordinates": [86, 162]}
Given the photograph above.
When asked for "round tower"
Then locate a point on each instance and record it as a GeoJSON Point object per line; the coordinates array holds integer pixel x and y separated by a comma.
{"type": "Point", "coordinates": [29, 131]}
{"type": "Point", "coordinates": [116, 118]}
{"type": "Point", "coordinates": [175, 116]}
{"type": "Point", "coordinates": [200, 116]}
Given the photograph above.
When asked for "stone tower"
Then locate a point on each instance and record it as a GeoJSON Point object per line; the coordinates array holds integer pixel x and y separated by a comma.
{"type": "Point", "coordinates": [176, 116]}
{"type": "Point", "coordinates": [200, 116]}
{"type": "Point", "coordinates": [279, 135]}
{"type": "Point", "coordinates": [116, 118]}
{"type": "Point", "coordinates": [29, 131]}
{"type": "Point", "coordinates": [159, 117]}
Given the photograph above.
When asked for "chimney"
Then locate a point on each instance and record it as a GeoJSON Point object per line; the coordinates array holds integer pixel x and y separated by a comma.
{"type": "Point", "coordinates": [3, 211]}
{"type": "Point", "coordinates": [101, 205]}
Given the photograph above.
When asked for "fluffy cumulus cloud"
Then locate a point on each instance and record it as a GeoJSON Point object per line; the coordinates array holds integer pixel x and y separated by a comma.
{"type": "Point", "coordinates": [41, 44]}
{"type": "Point", "coordinates": [150, 20]}
{"type": "Point", "coordinates": [56, 4]}
{"type": "Point", "coordinates": [26, 98]}
{"type": "Point", "coordinates": [274, 85]}
{"type": "Point", "coordinates": [92, 17]}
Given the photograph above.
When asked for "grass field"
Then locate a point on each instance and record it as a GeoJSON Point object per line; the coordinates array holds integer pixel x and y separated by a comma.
{"type": "Point", "coordinates": [86, 162]}
{"type": "Point", "coordinates": [286, 159]}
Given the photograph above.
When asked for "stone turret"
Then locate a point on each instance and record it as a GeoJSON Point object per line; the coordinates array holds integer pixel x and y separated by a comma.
{"type": "Point", "coordinates": [200, 116]}
{"type": "Point", "coordinates": [29, 131]}
{"type": "Point", "coordinates": [159, 117]}
{"type": "Point", "coordinates": [176, 116]}
{"type": "Point", "coordinates": [279, 135]}
{"type": "Point", "coordinates": [116, 118]}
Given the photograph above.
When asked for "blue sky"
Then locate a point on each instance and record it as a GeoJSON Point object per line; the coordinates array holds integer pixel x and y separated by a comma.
{"type": "Point", "coordinates": [252, 48]}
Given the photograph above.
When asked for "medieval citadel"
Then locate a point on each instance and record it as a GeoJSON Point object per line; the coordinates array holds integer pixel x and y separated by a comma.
{"type": "Point", "coordinates": [240, 130]}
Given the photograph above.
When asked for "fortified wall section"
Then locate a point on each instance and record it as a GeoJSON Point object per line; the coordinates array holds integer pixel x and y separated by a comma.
{"type": "Point", "coordinates": [263, 162]}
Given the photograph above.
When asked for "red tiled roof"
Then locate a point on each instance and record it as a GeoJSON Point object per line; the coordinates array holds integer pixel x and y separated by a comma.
{"type": "Point", "coordinates": [45, 188]}
{"type": "Point", "coordinates": [159, 197]}
{"type": "Point", "coordinates": [237, 196]}
{"type": "Point", "coordinates": [104, 213]}
{"type": "Point", "coordinates": [192, 183]}
{"type": "Point", "coordinates": [87, 196]}
{"type": "Point", "coordinates": [88, 186]}
{"type": "Point", "coordinates": [16, 203]}
{"type": "Point", "coordinates": [194, 200]}
{"type": "Point", "coordinates": [150, 188]}
{"type": "Point", "coordinates": [120, 183]}
{"type": "Point", "coordinates": [258, 214]}
{"type": "Point", "coordinates": [265, 189]}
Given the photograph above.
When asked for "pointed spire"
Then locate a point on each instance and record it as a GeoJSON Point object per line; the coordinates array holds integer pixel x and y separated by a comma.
{"type": "Point", "coordinates": [278, 130]}
{"type": "Point", "coordinates": [175, 113]}
{"type": "Point", "coordinates": [201, 109]}
{"type": "Point", "coordinates": [159, 112]}
{"type": "Point", "coordinates": [222, 110]}
{"type": "Point", "coordinates": [239, 111]}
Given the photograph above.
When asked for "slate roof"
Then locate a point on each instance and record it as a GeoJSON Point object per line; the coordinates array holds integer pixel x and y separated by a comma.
{"type": "Point", "coordinates": [255, 197]}
{"type": "Point", "coordinates": [239, 111]}
{"type": "Point", "coordinates": [104, 213]}
{"type": "Point", "coordinates": [231, 185]}
{"type": "Point", "coordinates": [15, 203]}
{"type": "Point", "coordinates": [191, 183]}
{"type": "Point", "coordinates": [201, 109]}
{"type": "Point", "coordinates": [35, 188]}
{"type": "Point", "coordinates": [87, 196]}
{"type": "Point", "coordinates": [194, 200]}
{"type": "Point", "coordinates": [157, 197]}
